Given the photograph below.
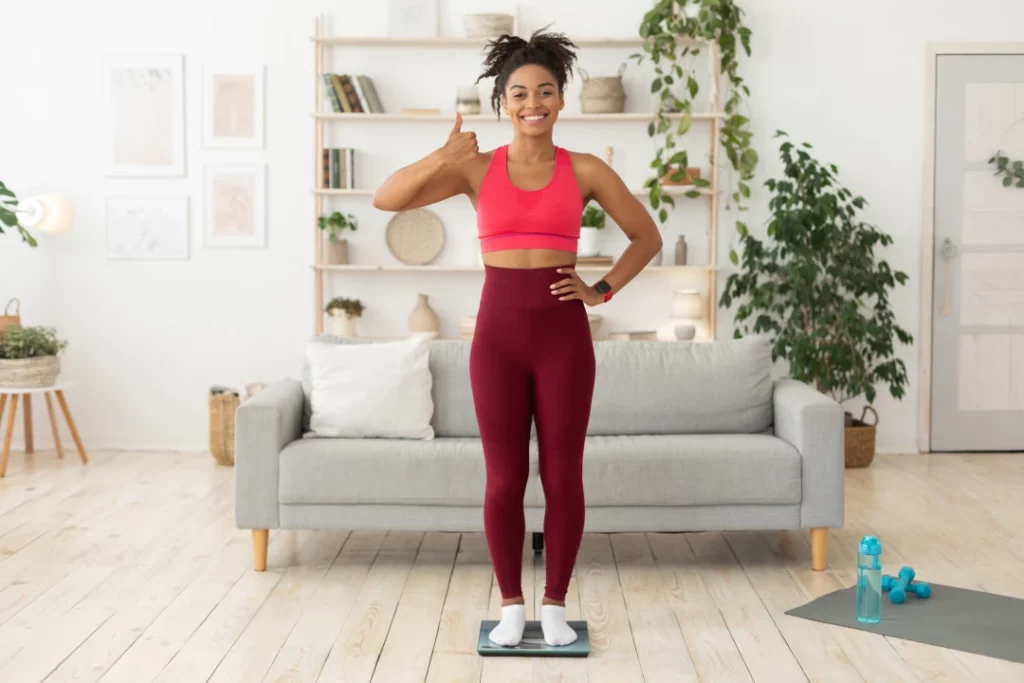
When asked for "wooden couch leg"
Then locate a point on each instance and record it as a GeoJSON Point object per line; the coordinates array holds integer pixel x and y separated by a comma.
{"type": "Point", "coordinates": [819, 548]}
{"type": "Point", "coordinates": [259, 548]}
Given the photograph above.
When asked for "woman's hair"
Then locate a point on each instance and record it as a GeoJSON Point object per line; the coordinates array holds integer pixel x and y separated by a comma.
{"type": "Point", "coordinates": [553, 51]}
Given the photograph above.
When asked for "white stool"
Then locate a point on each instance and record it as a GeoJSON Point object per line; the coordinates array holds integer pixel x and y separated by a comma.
{"type": "Point", "coordinates": [26, 395]}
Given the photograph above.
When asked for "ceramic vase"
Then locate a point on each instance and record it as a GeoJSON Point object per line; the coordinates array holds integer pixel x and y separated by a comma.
{"type": "Point", "coordinates": [335, 253]}
{"type": "Point", "coordinates": [588, 242]}
{"type": "Point", "coordinates": [423, 320]}
{"type": "Point", "coordinates": [343, 326]}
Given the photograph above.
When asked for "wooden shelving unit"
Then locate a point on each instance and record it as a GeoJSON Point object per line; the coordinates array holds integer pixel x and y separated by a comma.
{"type": "Point", "coordinates": [713, 117]}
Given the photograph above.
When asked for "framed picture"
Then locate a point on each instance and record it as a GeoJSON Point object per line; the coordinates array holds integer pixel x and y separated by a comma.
{"type": "Point", "coordinates": [235, 205]}
{"type": "Point", "coordinates": [412, 18]}
{"type": "Point", "coordinates": [147, 227]}
{"type": "Point", "coordinates": [233, 106]}
{"type": "Point", "coordinates": [143, 115]}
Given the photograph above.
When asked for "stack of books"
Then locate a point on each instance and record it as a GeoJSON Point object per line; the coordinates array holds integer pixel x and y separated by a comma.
{"type": "Point", "coordinates": [352, 94]}
{"type": "Point", "coordinates": [339, 170]}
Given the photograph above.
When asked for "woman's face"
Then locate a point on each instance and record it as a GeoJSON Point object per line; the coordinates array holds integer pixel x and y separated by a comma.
{"type": "Point", "coordinates": [532, 99]}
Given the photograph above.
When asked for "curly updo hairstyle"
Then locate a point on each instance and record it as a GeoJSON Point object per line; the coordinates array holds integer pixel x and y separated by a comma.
{"type": "Point", "coordinates": [553, 51]}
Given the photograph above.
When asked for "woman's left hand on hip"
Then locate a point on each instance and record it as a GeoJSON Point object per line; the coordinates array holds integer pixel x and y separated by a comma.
{"type": "Point", "coordinates": [573, 287]}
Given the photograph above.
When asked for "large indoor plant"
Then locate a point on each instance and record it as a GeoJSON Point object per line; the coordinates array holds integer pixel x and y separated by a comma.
{"type": "Point", "coordinates": [9, 202]}
{"type": "Point", "coordinates": [677, 83]}
{"type": "Point", "coordinates": [30, 357]}
{"type": "Point", "coordinates": [816, 285]}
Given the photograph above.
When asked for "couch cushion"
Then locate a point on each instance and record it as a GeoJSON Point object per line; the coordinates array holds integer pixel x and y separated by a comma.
{"type": "Point", "coordinates": [442, 471]}
{"type": "Point", "coordinates": [691, 469]}
{"type": "Point", "coordinates": [718, 469]}
{"type": "Point", "coordinates": [653, 387]}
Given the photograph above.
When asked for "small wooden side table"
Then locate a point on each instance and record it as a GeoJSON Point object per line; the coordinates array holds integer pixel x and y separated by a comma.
{"type": "Point", "coordinates": [25, 396]}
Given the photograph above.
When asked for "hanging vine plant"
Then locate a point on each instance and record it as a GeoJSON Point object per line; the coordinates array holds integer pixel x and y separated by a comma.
{"type": "Point", "coordinates": [677, 85]}
{"type": "Point", "coordinates": [1012, 171]}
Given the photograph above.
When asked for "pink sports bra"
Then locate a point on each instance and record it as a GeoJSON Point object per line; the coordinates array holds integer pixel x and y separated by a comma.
{"type": "Point", "coordinates": [510, 218]}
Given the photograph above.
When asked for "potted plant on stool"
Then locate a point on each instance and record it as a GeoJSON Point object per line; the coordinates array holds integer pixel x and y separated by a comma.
{"type": "Point", "coordinates": [29, 357]}
{"type": "Point", "coordinates": [344, 313]}
{"type": "Point", "coordinates": [816, 285]}
{"type": "Point", "coordinates": [333, 225]}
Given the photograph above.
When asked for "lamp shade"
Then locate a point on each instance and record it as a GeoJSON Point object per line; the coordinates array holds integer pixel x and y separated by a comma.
{"type": "Point", "coordinates": [687, 304]}
{"type": "Point", "coordinates": [52, 213]}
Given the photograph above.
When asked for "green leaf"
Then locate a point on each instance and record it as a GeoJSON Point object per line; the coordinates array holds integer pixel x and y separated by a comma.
{"type": "Point", "coordinates": [692, 194]}
{"type": "Point", "coordinates": [733, 257]}
{"type": "Point", "coordinates": [663, 215]}
{"type": "Point", "coordinates": [692, 86]}
{"type": "Point", "coordinates": [656, 85]}
{"type": "Point", "coordinates": [8, 218]}
{"type": "Point", "coordinates": [1007, 182]}
{"type": "Point", "coordinates": [650, 129]}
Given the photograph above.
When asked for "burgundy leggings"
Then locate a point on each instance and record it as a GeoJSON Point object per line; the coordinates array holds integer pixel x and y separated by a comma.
{"type": "Point", "coordinates": [532, 357]}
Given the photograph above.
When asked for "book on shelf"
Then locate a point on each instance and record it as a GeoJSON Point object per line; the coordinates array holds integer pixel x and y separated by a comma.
{"type": "Point", "coordinates": [348, 94]}
{"type": "Point", "coordinates": [338, 168]}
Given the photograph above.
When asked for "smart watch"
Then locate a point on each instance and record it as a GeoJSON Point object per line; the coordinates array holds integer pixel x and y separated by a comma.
{"type": "Point", "coordinates": [604, 289]}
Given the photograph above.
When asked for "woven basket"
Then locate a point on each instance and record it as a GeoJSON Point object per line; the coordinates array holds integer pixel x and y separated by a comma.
{"type": "Point", "coordinates": [222, 427]}
{"type": "Point", "coordinates": [29, 373]}
{"type": "Point", "coordinates": [8, 319]}
{"type": "Point", "coordinates": [603, 95]}
{"type": "Point", "coordinates": [860, 440]}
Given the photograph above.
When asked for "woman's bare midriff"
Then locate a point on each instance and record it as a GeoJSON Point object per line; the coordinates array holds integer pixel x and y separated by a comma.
{"type": "Point", "coordinates": [529, 258]}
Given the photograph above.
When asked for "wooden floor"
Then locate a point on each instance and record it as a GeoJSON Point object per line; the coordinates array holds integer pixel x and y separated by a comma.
{"type": "Point", "coordinates": [130, 569]}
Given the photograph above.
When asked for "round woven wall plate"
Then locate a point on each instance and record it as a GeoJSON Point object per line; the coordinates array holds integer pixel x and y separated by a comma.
{"type": "Point", "coordinates": [415, 237]}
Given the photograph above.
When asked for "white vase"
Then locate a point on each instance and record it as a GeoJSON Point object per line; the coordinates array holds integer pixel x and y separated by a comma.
{"type": "Point", "coordinates": [587, 245]}
{"type": "Point", "coordinates": [343, 326]}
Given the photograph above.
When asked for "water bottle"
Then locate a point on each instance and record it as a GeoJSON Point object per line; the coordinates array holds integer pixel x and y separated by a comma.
{"type": "Point", "coordinates": [869, 580]}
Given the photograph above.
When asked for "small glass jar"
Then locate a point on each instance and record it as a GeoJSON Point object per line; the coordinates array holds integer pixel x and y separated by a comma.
{"type": "Point", "coordinates": [467, 100]}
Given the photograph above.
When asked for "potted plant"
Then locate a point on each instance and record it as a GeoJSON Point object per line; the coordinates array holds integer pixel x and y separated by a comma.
{"type": "Point", "coordinates": [593, 220]}
{"type": "Point", "coordinates": [676, 83]}
{"type": "Point", "coordinates": [816, 285]}
{"type": "Point", "coordinates": [334, 225]}
{"type": "Point", "coordinates": [30, 357]}
{"type": "Point", "coordinates": [344, 313]}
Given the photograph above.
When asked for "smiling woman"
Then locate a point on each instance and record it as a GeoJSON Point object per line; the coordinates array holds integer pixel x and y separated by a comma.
{"type": "Point", "coordinates": [532, 358]}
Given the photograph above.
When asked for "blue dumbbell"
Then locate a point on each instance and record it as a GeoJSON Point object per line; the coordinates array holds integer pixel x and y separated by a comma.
{"type": "Point", "coordinates": [898, 587]}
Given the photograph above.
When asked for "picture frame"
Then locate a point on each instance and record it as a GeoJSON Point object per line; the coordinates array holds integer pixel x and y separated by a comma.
{"type": "Point", "coordinates": [412, 18]}
{"type": "Point", "coordinates": [149, 228]}
{"type": "Point", "coordinates": [233, 105]}
{"type": "Point", "coordinates": [234, 205]}
{"type": "Point", "coordinates": [143, 115]}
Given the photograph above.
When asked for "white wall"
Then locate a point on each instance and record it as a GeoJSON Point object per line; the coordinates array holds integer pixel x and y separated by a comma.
{"type": "Point", "coordinates": [148, 338]}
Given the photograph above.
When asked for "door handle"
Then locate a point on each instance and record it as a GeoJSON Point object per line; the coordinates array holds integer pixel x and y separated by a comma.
{"type": "Point", "coordinates": [948, 252]}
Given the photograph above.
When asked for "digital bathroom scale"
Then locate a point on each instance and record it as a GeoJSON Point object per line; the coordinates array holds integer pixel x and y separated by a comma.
{"type": "Point", "coordinates": [532, 644]}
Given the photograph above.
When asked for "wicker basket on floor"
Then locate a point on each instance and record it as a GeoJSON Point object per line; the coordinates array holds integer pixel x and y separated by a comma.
{"type": "Point", "coordinates": [222, 426]}
{"type": "Point", "coordinates": [860, 440]}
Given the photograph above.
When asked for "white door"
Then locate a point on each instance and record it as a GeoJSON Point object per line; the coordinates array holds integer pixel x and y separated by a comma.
{"type": "Point", "coordinates": [977, 369]}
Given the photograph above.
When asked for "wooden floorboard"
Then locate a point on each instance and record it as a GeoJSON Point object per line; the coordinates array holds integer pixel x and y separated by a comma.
{"type": "Point", "coordinates": [131, 569]}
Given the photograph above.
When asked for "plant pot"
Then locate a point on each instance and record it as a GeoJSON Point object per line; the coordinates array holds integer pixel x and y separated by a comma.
{"type": "Point", "coordinates": [587, 245]}
{"type": "Point", "coordinates": [692, 173]}
{"type": "Point", "coordinates": [859, 439]}
{"type": "Point", "coordinates": [28, 373]}
{"type": "Point", "coordinates": [335, 253]}
{"type": "Point", "coordinates": [343, 325]}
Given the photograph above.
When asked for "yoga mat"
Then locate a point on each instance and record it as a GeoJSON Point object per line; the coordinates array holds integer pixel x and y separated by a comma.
{"type": "Point", "coordinates": [532, 644]}
{"type": "Point", "coordinates": [955, 618]}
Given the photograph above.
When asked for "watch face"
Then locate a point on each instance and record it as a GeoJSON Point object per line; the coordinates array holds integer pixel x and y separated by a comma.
{"type": "Point", "coordinates": [602, 287]}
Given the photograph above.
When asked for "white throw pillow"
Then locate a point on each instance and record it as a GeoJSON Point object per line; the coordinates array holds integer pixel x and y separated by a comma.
{"type": "Point", "coordinates": [377, 389]}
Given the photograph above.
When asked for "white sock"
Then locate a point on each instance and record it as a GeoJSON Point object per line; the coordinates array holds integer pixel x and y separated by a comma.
{"type": "Point", "coordinates": [556, 630]}
{"type": "Point", "coordinates": [509, 632]}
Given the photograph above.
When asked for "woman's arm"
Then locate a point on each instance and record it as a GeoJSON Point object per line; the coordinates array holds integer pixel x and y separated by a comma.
{"type": "Point", "coordinates": [605, 186]}
{"type": "Point", "coordinates": [437, 176]}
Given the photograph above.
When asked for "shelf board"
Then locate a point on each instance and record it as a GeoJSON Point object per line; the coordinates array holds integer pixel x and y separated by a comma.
{"type": "Point", "coordinates": [447, 118]}
{"type": "Point", "coordinates": [370, 268]}
{"type": "Point", "coordinates": [673, 190]}
{"type": "Point", "coordinates": [460, 41]}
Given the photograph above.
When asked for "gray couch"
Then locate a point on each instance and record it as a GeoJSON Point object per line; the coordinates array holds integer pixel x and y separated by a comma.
{"type": "Point", "coordinates": [682, 437]}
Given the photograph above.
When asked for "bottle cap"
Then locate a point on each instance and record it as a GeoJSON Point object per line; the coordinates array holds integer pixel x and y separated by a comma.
{"type": "Point", "coordinates": [870, 545]}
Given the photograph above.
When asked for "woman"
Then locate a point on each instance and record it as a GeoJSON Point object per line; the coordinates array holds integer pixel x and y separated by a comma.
{"type": "Point", "coordinates": [532, 357]}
